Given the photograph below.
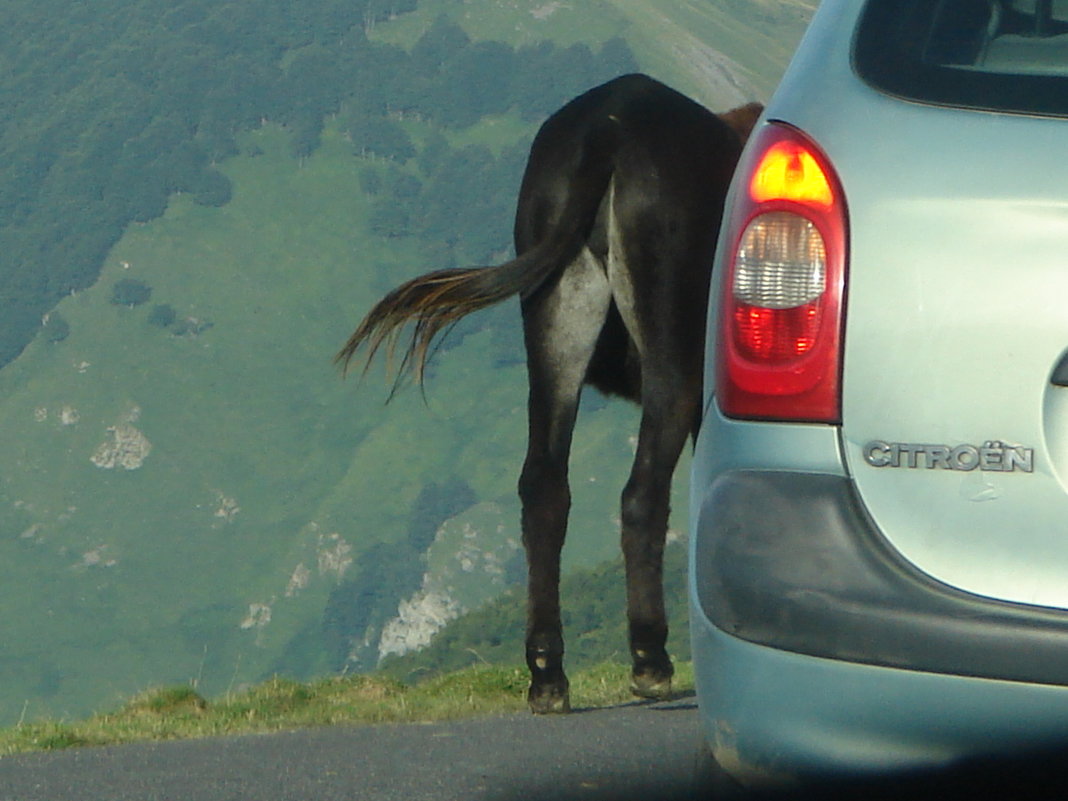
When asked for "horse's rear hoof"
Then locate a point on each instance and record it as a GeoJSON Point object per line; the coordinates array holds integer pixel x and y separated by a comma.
{"type": "Point", "coordinates": [652, 686]}
{"type": "Point", "coordinates": [549, 699]}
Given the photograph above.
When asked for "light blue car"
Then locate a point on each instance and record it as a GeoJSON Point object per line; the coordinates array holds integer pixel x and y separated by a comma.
{"type": "Point", "coordinates": [879, 545]}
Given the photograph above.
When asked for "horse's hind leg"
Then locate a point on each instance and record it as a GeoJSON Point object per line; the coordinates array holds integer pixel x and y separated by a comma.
{"type": "Point", "coordinates": [561, 324]}
{"type": "Point", "coordinates": [666, 423]}
{"type": "Point", "coordinates": [662, 310]}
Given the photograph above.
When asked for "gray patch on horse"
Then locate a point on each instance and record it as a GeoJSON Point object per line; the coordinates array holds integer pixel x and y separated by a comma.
{"type": "Point", "coordinates": [619, 278]}
{"type": "Point", "coordinates": [578, 305]}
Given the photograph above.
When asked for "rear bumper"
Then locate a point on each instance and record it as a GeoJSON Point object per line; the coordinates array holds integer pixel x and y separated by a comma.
{"type": "Point", "coordinates": [819, 652]}
{"type": "Point", "coordinates": [793, 561]}
{"type": "Point", "coordinates": [772, 717]}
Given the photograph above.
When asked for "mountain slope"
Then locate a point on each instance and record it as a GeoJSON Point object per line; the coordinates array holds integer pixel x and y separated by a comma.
{"type": "Point", "coordinates": [190, 492]}
{"type": "Point", "coordinates": [183, 505]}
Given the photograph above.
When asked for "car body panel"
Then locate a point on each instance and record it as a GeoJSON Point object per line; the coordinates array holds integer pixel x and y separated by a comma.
{"type": "Point", "coordinates": [949, 338]}
{"type": "Point", "coordinates": [953, 435]}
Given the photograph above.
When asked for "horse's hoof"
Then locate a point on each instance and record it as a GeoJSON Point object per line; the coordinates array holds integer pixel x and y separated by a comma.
{"type": "Point", "coordinates": [549, 699]}
{"type": "Point", "coordinates": [651, 686]}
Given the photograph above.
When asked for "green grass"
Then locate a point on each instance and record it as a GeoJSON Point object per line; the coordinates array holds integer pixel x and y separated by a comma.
{"type": "Point", "coordinates": [175, 713]}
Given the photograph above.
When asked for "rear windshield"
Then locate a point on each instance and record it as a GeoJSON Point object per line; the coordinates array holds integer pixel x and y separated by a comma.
{"type": "Point", "coordinates": [1002, 55]}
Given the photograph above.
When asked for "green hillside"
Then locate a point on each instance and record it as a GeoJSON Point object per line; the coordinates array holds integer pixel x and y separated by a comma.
{"type": "Point", "coordinates": [255, 459]}
{"type": "Point", "coordinates": [190, 493]}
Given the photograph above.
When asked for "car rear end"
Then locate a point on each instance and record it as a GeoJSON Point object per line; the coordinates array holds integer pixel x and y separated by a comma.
{"type": "Point", "coordinates": [879, 554]}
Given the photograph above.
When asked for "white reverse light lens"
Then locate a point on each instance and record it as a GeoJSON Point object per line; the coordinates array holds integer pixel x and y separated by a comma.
{"type": "Point", "coordinates": [782, 262]}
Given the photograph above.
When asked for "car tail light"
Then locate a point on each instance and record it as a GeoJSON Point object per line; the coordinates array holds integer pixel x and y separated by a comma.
{"type": "Point", "coordinates": [779, 350]}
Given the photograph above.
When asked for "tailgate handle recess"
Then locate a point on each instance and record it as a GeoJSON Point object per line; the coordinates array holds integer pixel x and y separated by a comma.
{"type": "Point", "coordinates": [1060, 373]}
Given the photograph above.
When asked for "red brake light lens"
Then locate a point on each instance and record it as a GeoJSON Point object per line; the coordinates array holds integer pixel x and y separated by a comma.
{"type": "Point", "coordinates": [781, 296]}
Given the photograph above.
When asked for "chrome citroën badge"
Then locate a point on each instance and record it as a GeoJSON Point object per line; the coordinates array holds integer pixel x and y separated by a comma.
{"type": "Point", "coordinates": [992, 456]}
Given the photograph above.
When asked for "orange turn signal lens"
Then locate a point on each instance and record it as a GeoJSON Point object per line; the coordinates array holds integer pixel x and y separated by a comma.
{"type": "Point", "coordinates": [789, 172]}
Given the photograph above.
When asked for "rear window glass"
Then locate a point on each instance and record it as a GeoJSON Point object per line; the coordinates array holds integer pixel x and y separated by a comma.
{"type": "Point", "coordinates": [1003, 55]}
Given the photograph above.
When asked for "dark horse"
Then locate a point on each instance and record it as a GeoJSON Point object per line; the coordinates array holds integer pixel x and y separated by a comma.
{"type": "Point", "coordinates": [617, 221]}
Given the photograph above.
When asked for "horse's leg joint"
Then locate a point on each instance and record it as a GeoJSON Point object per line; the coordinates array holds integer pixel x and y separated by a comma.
{"type": "Point", "coordinates": [549, 691]}
{"type": "Point", "coordinates": [652, 669]}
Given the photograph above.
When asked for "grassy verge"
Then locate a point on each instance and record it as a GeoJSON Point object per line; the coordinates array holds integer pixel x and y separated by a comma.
{"type": "Point", "coordinates": [280, 704]}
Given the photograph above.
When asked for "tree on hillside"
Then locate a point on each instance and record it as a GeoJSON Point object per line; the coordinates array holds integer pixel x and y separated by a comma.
{"type": "Point", "coordinates": [130, 292]}
{"type": "Point", "coordinates": [378, 136]}
{"type": "Point", "coordinates": [370, 181]}
{"type": "Point", "coordinates": [393, 209]}
{"type": "Point", "coordinates": [381, 75]}
{"type": "Point", "coordinates": [532, 91]}
{"type": "Point", "coordinates": [545, 77]}
{"type": "Point", "coordinates": [476, 219]}
{"type": "Point", "coordinates": [433, 153]}
{"type": "Point", "coordinates": [472, 83]}
{"type": "Point", "coordinates": [312, 81]}
{"type": "Point", "coordinates": [215, 136]}
{"type": "Point", "coordinates": [442, 40]}
{"type": "Point", "coordinates": [307, 131]}
{"type": "Point", "coordinates": [55, 328]}
{"type": "Point", "coordinates": [212, 189]}
{"type": "Point", "coordinates": [162, 315]}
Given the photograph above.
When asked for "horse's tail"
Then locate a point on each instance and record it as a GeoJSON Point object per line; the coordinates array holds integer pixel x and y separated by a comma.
{"type": "Point", "coordinates": [437, 300]}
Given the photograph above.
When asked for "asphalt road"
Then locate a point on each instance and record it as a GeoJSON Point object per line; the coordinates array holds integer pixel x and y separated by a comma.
{"type": "Point", "coordinates": [635, 752]}
{"type": "Point", "coordinates": [640, 750]}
